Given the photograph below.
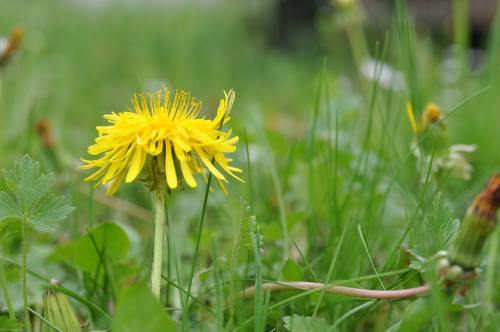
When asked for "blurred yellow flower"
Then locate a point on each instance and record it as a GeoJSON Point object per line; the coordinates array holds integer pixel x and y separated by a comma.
{"type": "Point", "coordinates": [431, 115]}
{"type": "Point", "coordinates": [432, 137]}
{"type": "Point", "coordinates": [168, 137]}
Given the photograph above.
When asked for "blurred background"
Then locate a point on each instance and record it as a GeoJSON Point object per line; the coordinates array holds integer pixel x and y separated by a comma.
{"type": "Point", "coordinates": [303, 72]}
{"type": "Point", "coordinates": [83, 58]}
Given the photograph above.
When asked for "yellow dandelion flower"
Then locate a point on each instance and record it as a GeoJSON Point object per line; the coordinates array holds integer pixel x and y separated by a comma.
{"type": "Point", "coordinates": [431, 115]}
{"type": "Point", "coordinates": [168, 137]}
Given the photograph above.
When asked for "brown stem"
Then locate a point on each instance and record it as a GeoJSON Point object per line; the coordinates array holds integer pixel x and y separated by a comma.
{"type": "Point", "coordinates": [340, 290]}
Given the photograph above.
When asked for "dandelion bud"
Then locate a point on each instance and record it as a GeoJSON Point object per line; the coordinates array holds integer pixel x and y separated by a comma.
{"type": "Point", "coordinates": [454, 273]}
{"type": "Point", "coordinates": [58, 311]}
{"type": "Point", "coordinates": [443, 266]}
{"type": "Point", "coordinates": [11, 45]}
{"type": "Point", "coordinates": [44, 130]}
{"type": "Point", "coordinates": [479, 222]}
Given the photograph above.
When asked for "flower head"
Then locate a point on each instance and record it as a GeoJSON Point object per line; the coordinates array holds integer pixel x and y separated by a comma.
{"type": "Point", "coordinates": [432, 115]}
{"type": "Point", "coordinates": [165, 137]}
{"type": "Point", "coordinates": [432, 137]}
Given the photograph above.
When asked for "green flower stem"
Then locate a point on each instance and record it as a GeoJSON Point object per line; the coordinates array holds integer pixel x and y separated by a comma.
{"type": "Point", "coordinates": [185, 310]}
{"type": "Point", "coordinates": [1, 98]}
{"type": "Point", "coordinates": [357, 42]}
{"type": "Point", "coordinates": [169, 255]}
{"type": "Point", "coordinates": [158, 242]}
{"type": "Point", "coordinates": [359, 48]}
{"type": "Point", "coordinates": [24, 275]}
{"type": "Point", "coordinates": [461, 31]}
{"type": "Point", "coordinates": [6, 294]}
{"type": "Point", "coordinates": [2, 129]}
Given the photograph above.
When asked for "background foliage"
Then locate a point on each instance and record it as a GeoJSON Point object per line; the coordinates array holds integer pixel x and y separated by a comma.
{"type": "Point", "coordinates": [331, 183]}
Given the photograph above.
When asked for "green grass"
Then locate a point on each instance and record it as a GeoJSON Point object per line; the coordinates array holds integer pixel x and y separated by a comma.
{"type": "Point", "coordinates": [332, 189]}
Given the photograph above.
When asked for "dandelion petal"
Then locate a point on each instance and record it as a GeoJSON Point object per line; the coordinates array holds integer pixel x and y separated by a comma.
{"type": "Point", "coordinates": [136, 164]}
{"type": "Point", "coordinates": [170, 167]}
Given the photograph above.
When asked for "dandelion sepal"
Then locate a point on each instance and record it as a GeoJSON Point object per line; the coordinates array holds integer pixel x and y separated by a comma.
{"type": "Point", "coordinates": [58, 311]}
{"type": "Point", "coordinates": [479, 222]}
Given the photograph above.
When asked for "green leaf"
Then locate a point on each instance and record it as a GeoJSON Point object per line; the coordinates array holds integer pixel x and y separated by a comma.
{"type": "Point", "coordinates": [7, 324]}
{"type": "Point", "coordinates": [48, 212]}
{"type": "Point", "coordinates": [9, 230]}
{"type": "Point", "coordinates": [8, 208]}
{"type": "Point", "coordinates": [291, 271]}
{"type": "Point", "coordinates": [416, 315]}
{"type": "Point", "coordinates": [26, 182]}
{"type": "Point", "coordinates": [138, 310]}
{"type": "Point", "coordinates": [108, 240]}
{"type": "Point", "coordinates": [416, 265]}
{"type": "Point", "coordinates": [298, 323]}
{"type": "Point", "coordinates": [31, 199]}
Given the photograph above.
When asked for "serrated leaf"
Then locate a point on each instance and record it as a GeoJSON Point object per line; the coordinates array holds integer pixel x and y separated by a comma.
{"type": "Point", "coordinates": [298, 323]}
{"type": "Point", "coordinates": [30, 197]}
{"type": "Point", "coordinates": [107, 240]}
{"type": "Point", "coordinates": [51, 210]}
{"type": "Point", "coordinates": [26, 182]}
{"type": "Point", "coordinates": [138, 310]}
{"type": "Point", "coordinates": [416, 265]}
{"type": "Point", "coordinates": [8, 208]}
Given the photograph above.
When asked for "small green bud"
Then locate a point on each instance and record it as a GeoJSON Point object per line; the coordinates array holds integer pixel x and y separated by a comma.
{"type": "Point", "coordinates": [443, 266]}
{"type": "Point", "coordinates": [58, 311]}
{"type": "Point", "coordinates": [454, 273]}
